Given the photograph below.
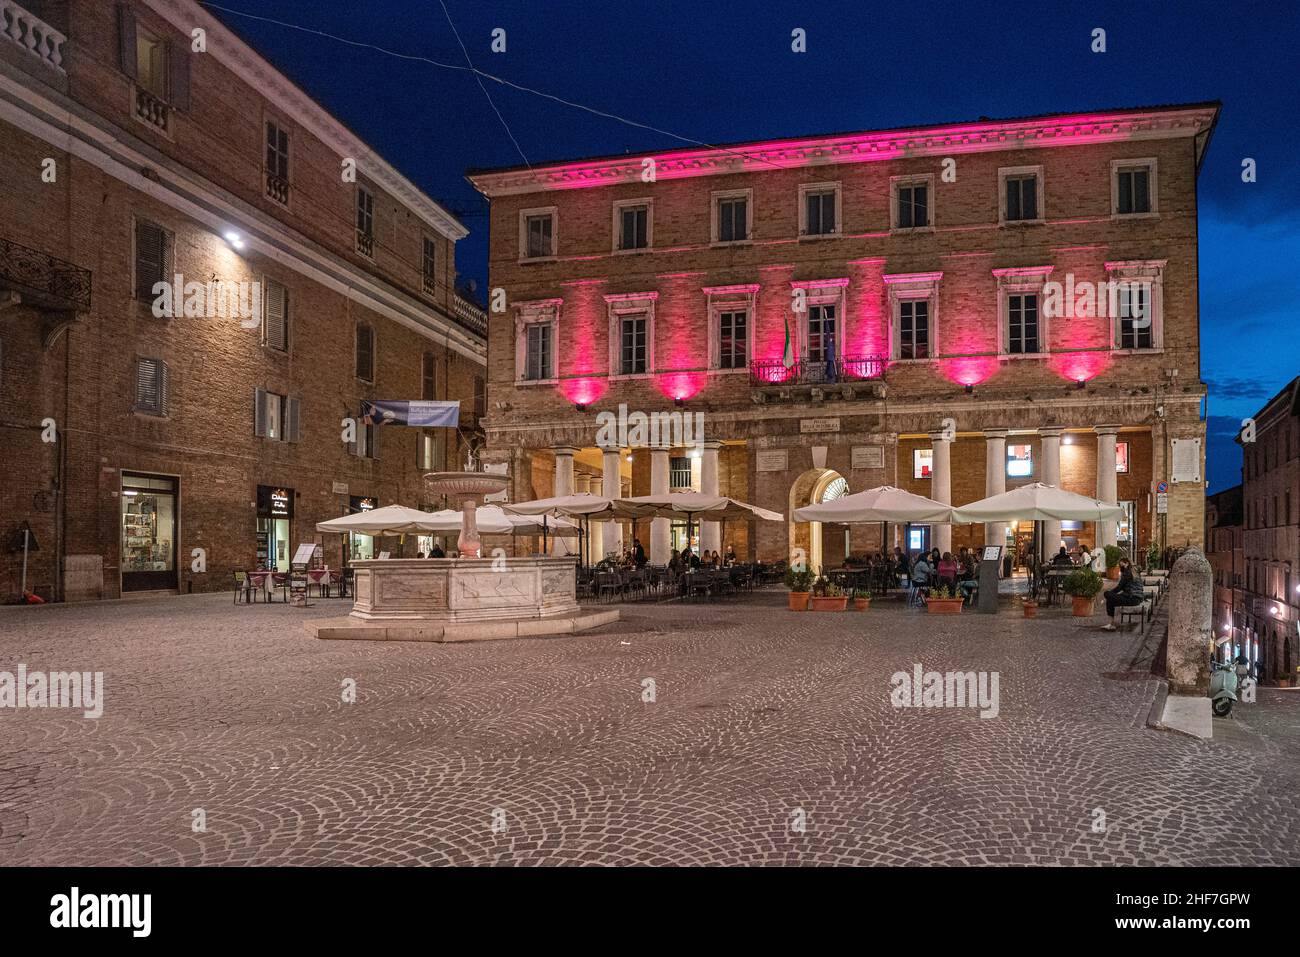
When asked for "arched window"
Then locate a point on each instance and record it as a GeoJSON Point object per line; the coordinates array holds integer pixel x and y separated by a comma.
{"type": "Point", "coordinates": [836, 489]}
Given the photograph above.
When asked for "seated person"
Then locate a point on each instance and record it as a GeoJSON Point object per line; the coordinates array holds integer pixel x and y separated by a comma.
{"type": "Point", "coordinates": [1062, 558]}
{"type": "Point", "coordinates": [948, 569]}
{"type": "Point", "coordinates": [922, 571]}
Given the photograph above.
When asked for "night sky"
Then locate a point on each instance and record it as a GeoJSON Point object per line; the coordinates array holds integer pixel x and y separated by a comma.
{"type": "Point", "coordinates": [723, 71]}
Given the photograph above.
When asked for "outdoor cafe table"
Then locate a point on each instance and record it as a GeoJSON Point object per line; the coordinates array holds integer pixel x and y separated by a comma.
{"type": "Point", "coordinates": [264, 581]}
{"type": "Point", "coordinates": [1053, 577]}
{"type": "Point", "coordinates": [321, 577]}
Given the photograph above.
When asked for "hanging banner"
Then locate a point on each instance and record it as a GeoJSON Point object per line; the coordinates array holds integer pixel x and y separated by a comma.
{"type": "Point", "coordinates": [418, 413]}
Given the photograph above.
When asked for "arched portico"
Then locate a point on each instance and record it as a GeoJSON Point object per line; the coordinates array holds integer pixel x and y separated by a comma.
{"type": "Point", "coordinates": [811, 538]}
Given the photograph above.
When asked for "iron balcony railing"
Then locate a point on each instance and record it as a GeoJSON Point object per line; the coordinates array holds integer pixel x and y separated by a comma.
{"type": "Point", "coordinates": [774, 372]}
{"type": "Point", "coordinates": [44, 279]}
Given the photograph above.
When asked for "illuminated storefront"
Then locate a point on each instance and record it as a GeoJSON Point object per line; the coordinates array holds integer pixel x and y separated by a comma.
{"type": "Point", "coordinates": [274, 515]}
{"type": "Point", "coordinates": [149, 521]}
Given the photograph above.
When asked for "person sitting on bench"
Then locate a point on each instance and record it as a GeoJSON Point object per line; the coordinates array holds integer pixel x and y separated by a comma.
{"type": "Point", "coordinates": [1127, 592]}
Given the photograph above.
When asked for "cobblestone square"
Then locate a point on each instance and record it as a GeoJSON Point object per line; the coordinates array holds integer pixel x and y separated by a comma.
{"type": "Point", "coordinates": [771, 739]}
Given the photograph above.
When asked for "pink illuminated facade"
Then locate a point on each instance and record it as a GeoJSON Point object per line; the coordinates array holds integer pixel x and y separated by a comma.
{"type": "Point", "coordinates": [844, 306]}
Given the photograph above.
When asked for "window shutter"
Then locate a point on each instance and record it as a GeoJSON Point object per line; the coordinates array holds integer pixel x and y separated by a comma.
{"type": "Point", "coordinates": [162, 387]}
{"type": "Point", "coordinates": [126, 40]}
{"type": "Point", "coordinates": [365, 353]}
{"type": "Point", "coordinates": [275, 315]}
{"type": "Point", "coordinates": [259, 413]}
{"type": "Point", "coordinates": [291, 423]}
{"type": "Point", "coordinates": [374, 442]}
{"type": "Point", "coordinates": [150, 260]}
{"type": "Point", "coordinates": [178, 62]}
{"type": "Point", "coordinates": [146, 385]}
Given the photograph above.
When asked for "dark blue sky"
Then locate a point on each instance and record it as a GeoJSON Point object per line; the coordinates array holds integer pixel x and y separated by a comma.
{"type": "Point", "coordinates": [723, 71]}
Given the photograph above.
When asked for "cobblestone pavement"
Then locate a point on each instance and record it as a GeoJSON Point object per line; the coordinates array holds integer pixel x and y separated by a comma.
{"type": "Point", "coordinates": [762, 719]}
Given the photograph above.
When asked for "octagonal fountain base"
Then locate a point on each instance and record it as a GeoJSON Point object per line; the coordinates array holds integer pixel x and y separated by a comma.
{"type": "Point", "coordinates": [462, 599]}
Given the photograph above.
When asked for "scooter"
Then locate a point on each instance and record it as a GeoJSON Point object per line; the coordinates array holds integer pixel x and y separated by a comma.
{"type": "Point", "coordinates": [1223, 688]}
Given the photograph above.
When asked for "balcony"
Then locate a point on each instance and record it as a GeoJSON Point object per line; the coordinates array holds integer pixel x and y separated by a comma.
{"type": "Point", "coordinates": [366, 243]}
{"type": "Point", "coordinates": [57, 288]}
{"type": "Point", "coordinates": [470, 316]}
{"type": "Point", "coordinates": [277, 187]}
{"type": "Point", "coordinates": [150, 109]}
{"type": "Point", "coordinates": [32, 34]}
{"type": "Point", "coordinates": [848, 377]}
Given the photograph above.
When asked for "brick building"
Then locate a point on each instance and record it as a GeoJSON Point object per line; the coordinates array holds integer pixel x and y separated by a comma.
{"type": "Point", "coordinates": [1225, 551]}
{"type": "Point", "coordinates": [911, 271]}
{"type": "Point", "coordinates": [1270, 493]}
{"type": "Point", "coordinates": [144, 142]}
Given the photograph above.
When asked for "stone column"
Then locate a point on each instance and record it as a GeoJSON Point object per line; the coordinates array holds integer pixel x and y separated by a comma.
{"type": "Point", "coordinates": [710, 532]}
{"type": "Point", "coordinates": [941, 487]}
{"type": "Point", "coordinates": [612, 532]}
{"type": "Point", "coordinates": [1051, 472]}
{"type": "Point", "coordinates": [581, 483]}
{"type": "Point", "coordinates": [660, 528]}
{"type": "Point", "coordinates": [995, 480]}
{"type": "Point", "coordinates": [1191, 609]}
{"type": "Point", "coordinates": [1107, 488]}
{"type": "Point", "coordinates": [564, 486]}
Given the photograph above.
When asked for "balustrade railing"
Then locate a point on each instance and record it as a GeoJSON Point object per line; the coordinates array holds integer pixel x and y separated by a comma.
{"type": "Point", "coordinates": [45, 279]}
{"type": "Point", "coordinates": [774, 372]}
{"type": "Point", "coordinates": [32, 34]}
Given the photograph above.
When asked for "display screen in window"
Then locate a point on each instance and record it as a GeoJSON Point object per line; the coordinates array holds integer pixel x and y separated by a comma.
{"type": "Point", "coordinates": [1020, 461]}
{"type": "Point", "coordinates": [922, 463]}
{"type": "Point", "coordinates": [1121, 457]}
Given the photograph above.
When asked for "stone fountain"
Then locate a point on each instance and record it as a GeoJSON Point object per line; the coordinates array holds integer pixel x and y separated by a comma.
{"type": "Point", "coordinates": [466, 598]}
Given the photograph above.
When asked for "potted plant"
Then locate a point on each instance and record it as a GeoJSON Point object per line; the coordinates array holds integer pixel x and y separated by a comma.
{"type": "Point", "coordinates": [798, 580]}
{"type": "Point", "coordinates": [943, 600]}
{"type": "Point", "coordinates": [828, 597]}
{"type": "Point", "coordinates": [1113, 554]}
{"type": "Point", "coordinates": [1030, 607]}
{"type": "Point", "coordinates": [861, 599]}
{"type": "Point", "coordinates": [1083, 586]}
{"type": "Point", "coordinates": [1153, 556]}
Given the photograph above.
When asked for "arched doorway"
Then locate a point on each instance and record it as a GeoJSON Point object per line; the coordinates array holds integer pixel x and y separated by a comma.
{"type": "Point", "coordinates": [812, 538]}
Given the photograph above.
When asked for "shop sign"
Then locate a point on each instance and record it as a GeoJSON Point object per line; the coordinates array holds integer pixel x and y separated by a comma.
{"type": "Point", "coordinates": [273, 501]}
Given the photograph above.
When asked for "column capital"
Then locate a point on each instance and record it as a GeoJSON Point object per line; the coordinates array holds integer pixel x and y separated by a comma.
{"type": "Point", "coordinates": [565, 450]}
{"type": "Point", "coordinates": [659, 449]}
{"type": "Point", "coordinates": [995, 433]}
{"type": "Point", "coordinates": [711, 445]}
{"type": "Point", "coordinates": [1052, 433]}
{"type": "Point", "coordinates": [940, 436]}
{"type": "Point", "coordinates": [1106, 429]}
{"type": "Point", "coordinates": [610, 449]}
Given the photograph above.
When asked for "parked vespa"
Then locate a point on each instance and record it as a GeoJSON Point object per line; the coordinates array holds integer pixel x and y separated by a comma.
{"type": "Point", "coordinates": [1223, 687]}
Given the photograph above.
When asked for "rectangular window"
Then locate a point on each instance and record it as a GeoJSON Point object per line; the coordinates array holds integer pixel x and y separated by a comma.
{"type": "Point", "coordinates": [632, 344]}
{"type": "Point", "coordinates": [539, 362]}
{"type": "Point", "coordinates": [275, 315]}
{"type": "Point", "coordinates": [679, 472]}
{"type": "Point", "coordinates": [277, 162]}
{"type": "Point", "coordinates": [1022, 324]}
{"type": "Point", "coordinates": [821, 333]}
{"type": "Point", "coordinates": [365, 221]}
{"type": "Point", "coordinates": [367, 444]}
{"type": "Point", "coordinates": [1135, 323]}
{"type": "Point", "coordinates": [151, 63]}
{"type": "Point", "coordinates": [540, 236]}
{"type": "Point", "coordinates": [1133, 190]}
{"type": "Point", "coordinates": [428, 377]}
{"type": "Point", "coordinates": [733, 219]}
{"type": "Point", "coordinates": [922, 463]}
{"type": "Point", "coordinates": [1022, 197]}
{"type": "Point", "coordinates": [275, 417]}
{"type": "Point", "coordinates": [1121, 457]}
{"type": "Point", "coordinates": [914, 329]}
{"type": "Point", "coordinates": [1020, 461]}
{"type": "Point", "coordinates": [480, 399]}
{"type": "Point", "coordinates": [365, 354]}
{"type": "Point", "coordinates": [819, 212]}
{"type": "Point", "coordinates": [426, 452]}
{"type": "Point", "coordinates": [913, 206]}
{"type": "Point", "coordinates": [634, 227]}
{"type": "Point", "coordinates": [153, 253]}
{"type": "Point", "coordinates": [151, 386]}
{"type": "Point", "coordinates": [733, 339]}
{"type": "Point", "coordinates": [429, 265]}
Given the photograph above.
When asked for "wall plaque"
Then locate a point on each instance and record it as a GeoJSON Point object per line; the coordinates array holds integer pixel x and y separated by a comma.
{"type": "Point", "coordinates": [772, 460]}
{"type": "Point", "coordinates": [819, 425]}
{"type": "Point", "coordinates": [869, 457]}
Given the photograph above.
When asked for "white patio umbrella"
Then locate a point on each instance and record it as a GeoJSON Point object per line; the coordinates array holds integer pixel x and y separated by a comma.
{"type": "Point", "coordinates": [883, 504]}
{"type": "Point", "coordinates": [389, 520]}
{"type": "Point", "coordinates": [695, 506]}
{"type": "Point", "coordinates": [1038, 503]}
{"type": "Point", "coordinates": [487, 521]}
{"type": "Point", "coordinates": [589, 508]}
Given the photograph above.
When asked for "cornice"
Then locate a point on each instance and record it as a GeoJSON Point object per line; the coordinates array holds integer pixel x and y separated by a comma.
{"type": "Point", "coordinates": [266, 80]}
{"type": "Point", "coordinates": [944, 140]}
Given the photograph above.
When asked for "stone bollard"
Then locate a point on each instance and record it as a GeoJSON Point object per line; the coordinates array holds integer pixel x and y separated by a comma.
{"type": "Point", "coordinates": [1187, 654]}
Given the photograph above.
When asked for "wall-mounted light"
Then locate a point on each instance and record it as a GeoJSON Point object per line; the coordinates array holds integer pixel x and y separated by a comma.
{"type": "Point", "coordinates": [970, 388]}
{"type": "Point", "coordinates": [679, 402]}
{"type": "Point", "coordinates": [1080, 383]}
{"type": "Point", "coordinates": [234, 239]}
{"type": "Point", "coordinates": [580, 406]}
{"type": "Point", "coordinates": [1067, 440]}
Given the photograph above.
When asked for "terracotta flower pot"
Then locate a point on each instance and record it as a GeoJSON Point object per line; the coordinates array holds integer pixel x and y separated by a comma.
{"type": "Point", "coordinates": [943, 606]}
{"type": "Point", "coordinates": [1083, 607]}
{"type": "Point", "coordinates": [823, 603]}
{"type": "Point", "coordinates": [1031, 609]}
{"type": "Point", "coordinates": [862, 604]}
{"type": "Point", "coordinates": [798, 601]}
{"type": "Point", "coordinates": [1113, 573]}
